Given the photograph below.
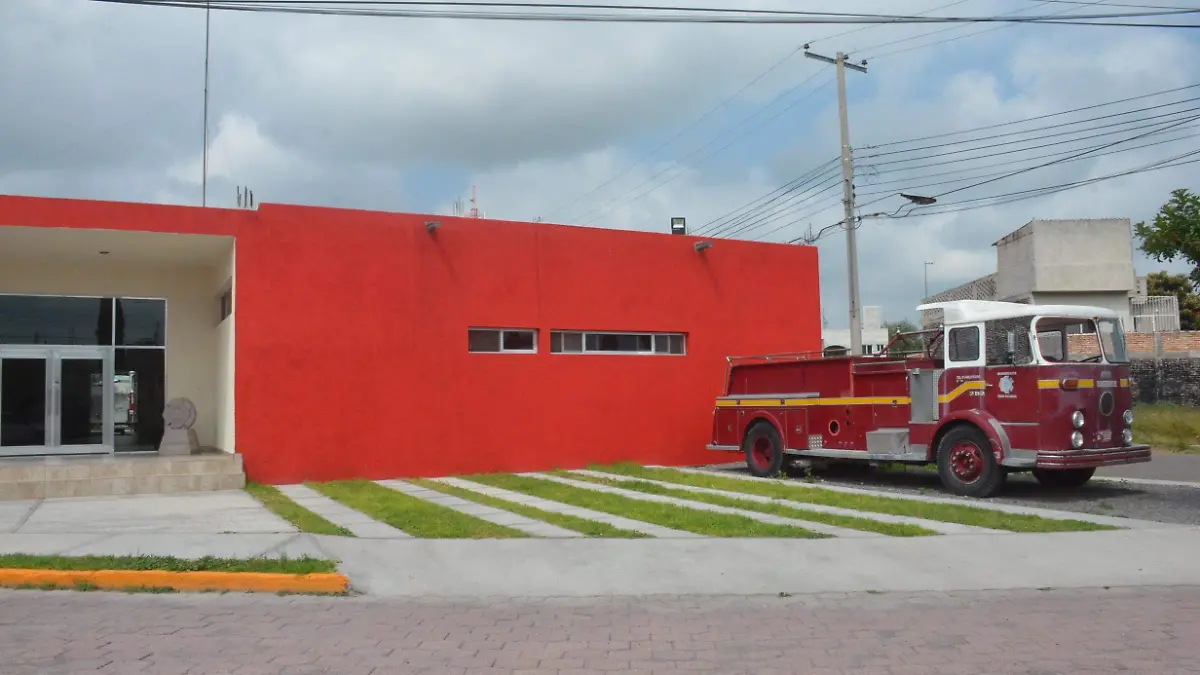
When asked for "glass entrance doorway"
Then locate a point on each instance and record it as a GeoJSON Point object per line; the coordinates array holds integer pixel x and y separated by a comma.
{"type": "Point", "coordinates": [56, 400]}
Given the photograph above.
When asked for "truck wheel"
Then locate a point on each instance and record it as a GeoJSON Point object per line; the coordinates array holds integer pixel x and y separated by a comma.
{"type": "Point", "coordinates": [764, 450]}
{"type": "Point", "coordinates": [1063, 478]}
{"type": "Point", "coordinates": [967, 465]}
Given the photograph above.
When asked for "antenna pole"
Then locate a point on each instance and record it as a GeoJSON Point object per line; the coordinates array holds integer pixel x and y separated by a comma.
{"type": "Point", "coordinates": [204, 160]}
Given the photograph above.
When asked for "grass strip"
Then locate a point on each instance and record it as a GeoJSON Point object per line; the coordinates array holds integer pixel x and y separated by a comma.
{"type": "Point", "coordinates": [1167, 427]}
{"type": "Point", "coordinates": [667, 515]}
{"type": "Point", "coordinates": [898, 506]}
{"type": "Point", "coordinates": [411, 514]}
{"type": "Point", "coordinates": [282, 506]}
{"type": "Point", "coordinates": [591, 528]}
{"type": "Point", "coordinates": [89, 563]}
{"type": "Point", "coordinates": [837, 520]}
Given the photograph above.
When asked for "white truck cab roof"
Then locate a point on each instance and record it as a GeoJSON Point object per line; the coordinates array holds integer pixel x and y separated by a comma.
{"type": "Point", "coordinates": [975, 311]}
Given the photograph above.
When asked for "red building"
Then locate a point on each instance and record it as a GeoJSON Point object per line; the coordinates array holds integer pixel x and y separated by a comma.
{"type": "Point", "coordinates": [378, 344]}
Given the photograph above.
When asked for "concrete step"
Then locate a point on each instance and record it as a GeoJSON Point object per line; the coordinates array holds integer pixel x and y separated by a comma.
{"type": "Point", "coordinates": [96, 476]}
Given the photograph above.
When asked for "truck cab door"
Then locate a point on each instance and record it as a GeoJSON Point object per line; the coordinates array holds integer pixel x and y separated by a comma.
{"type": "Point", "coordinates": [962, 382]}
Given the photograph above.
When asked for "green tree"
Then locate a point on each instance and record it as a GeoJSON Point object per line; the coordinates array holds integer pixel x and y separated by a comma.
{"type": "Point", "coordinates": [910, 343]}
{"type": "Point", "coordinates": [1180, 286]}
{"type": "Point", "coordinates": [1175, 233]}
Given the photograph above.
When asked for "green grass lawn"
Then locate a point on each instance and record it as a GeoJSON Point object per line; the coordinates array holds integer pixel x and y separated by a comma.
{"type": "Point", "coordinates": [667, 515]}
{"type": "Point", "coordinates": [947, 513]}
{"type": "Point", "coordinates": [1166, 427]}
{"type": "Point", "coordinates": [849, 522]}
{"type": "Point", "coordinates": [282, 506]}
{"type": "Point", "coordinates": [143, 563]}
{"type": "Point", "coordinates": [410, 514]}
{"type": "Point", "coordinates": [591, 528]}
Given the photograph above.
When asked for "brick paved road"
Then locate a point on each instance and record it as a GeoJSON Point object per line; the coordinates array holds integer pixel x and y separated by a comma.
{"type": "Point", "coordinates": [1076, 632]}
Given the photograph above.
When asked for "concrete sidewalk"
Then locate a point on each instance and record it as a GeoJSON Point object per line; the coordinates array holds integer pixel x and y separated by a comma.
{"type": "Point", "coordinates": [1163, 466]}
{"type": "Point", "coordinates": [609, 567]}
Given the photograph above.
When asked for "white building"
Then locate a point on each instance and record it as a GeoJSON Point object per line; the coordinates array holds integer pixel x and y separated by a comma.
{"type": "Point", "coordinates": [874, 333]}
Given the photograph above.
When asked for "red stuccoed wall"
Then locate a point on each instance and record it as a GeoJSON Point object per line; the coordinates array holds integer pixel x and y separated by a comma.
{"type": "Point", "coordinates": [352, 336]}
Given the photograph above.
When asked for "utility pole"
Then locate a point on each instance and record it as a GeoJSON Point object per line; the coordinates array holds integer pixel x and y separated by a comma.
{"type": "Point", "coordinates": [847, 194]}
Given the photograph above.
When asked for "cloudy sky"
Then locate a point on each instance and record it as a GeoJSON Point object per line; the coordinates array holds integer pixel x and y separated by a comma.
{"type": "Point", "coordinates": [597, 124]}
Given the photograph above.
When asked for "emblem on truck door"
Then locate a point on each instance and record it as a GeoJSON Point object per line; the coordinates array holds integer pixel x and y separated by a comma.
{"type": "Point", "coordinates": [1006, 384]}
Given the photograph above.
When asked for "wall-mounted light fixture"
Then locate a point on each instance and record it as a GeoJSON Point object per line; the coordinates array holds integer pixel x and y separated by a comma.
{"type": "Point", "coordinates": [678, 226]}
{"type": "Point", "coordinates": [701, 245]}
{"type": "Point", "coordinates": [431, 225]}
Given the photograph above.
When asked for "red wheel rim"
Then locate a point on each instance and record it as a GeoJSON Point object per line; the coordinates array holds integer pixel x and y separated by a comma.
{"type": "Point", "coordinates": [762, 452]}
{"type": "Point", "coordinates": [966, 462]}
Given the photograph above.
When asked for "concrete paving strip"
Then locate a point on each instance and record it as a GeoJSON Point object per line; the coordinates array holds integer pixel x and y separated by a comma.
{"type": "Point", "coordinates": [935, 525]}
{"type": "Point", "coordinates": [491, 514]}
{"type": "Point", "coordinates": [189, 546]}
{"type": "Point", "coordinates": [341, 515]}
{"type": "Point", "coordinates": [187, 513]}
{"type": "Point", "coordinates": [1129, 523]}
{"type": "Point", "coordinates": [591, 567]}
{"type": "Point", "coordinates": [1147, 481]}
{"type": "Point", "coordinates": [704, 506]}
{"type": "Point", "coordinates": [570, 510]}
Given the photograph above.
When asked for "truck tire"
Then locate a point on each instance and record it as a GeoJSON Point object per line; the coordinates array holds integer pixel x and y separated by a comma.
{"type": "Point", "coordinates": [1063, 478]}
{"type": "Point", "coordinates": [967, 465]}
{"type": "Point", "coordinates": [764, 450]}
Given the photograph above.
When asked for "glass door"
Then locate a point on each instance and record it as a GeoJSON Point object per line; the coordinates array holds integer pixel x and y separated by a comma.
{"type": "Point", "coordinates": [81, 401]}
{"type": "Point", "coordinates": [55, 400]}
{"type": "Point", "coordinates": [25, 388]}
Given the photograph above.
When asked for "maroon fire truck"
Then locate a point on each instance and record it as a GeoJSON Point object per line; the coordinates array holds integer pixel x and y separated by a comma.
{"type": "Point", "coordinates": [997, 388]}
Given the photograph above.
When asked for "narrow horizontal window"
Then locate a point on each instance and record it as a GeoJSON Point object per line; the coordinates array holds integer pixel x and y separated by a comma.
{"type": "Point", "coordinates": [496, 340]}
{"type": "Point", "coordinates": [598, 342]}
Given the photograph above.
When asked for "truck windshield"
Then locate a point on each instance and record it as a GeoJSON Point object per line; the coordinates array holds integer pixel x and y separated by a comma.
{"type": "Point", "coordinates": [1069, 340]}
{"type": "Point", "coordinates": [1112, 339]}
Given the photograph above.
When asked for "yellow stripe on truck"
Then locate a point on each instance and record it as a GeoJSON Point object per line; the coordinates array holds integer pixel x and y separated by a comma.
{"type": "Point", "coordinates": [855, 400]}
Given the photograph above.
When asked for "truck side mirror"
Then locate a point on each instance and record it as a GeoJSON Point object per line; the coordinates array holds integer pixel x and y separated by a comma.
{"type": "Point", "coordinates": [1011, 351]}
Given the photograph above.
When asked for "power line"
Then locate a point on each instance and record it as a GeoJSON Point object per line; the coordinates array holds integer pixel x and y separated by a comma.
{"type": "Point", "coordinates": [679, 134]}
{"type": "Point", "coordinates": [755, 214]}
{"type": "Point", "coordinates": [1059, 161]}
{"type": "Point", "coordinates": [647, 13]}
{"type": "Point", "coordinates": [896, 52]}
{"type": "Point", "coordinates": [1127, 127]}
{"type": "Point", "coordinates": [1032, 119]}
{"type": "Point", "coordinates": [770, 197]}
{"type": "Point", "coordinates": [909, 185]}
{"type": "Point", "coordinates": [710, 155]}
{"type": "Point", "coordinates": [1031, 193]}
{"type": "Point", "coordinates": [995, 177]}
{"type": "Point", "coordinates": [754, 220]}
{"type": "Point", "coordinates": [1024, 195]}
{"type": "Point", "coordinates": [1059, 125]}
{"type": "Point", "coordinates": [786, 57]}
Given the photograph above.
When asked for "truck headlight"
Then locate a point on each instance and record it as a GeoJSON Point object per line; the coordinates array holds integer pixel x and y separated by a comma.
{"type": "Point", "coordinates": [1077, 419]}
{"type": "Point", "coordinates": [1076, 439]}
{"type": "Point", "coordinates": [1128, 417]}
{"type": "Point", "coordinates": [1127, 436]}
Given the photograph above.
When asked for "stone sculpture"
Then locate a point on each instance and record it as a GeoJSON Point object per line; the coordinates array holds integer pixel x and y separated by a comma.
{"type": "Point", "coordinates": [179, 438]}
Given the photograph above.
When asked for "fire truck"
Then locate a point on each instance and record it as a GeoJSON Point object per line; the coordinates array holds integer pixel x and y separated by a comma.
{"type": "Point", "coordinates": [996, 388]}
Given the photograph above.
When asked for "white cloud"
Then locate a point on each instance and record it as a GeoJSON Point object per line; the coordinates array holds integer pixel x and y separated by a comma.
{"type": "Point", "coordinates": [367, 113]}
{"type": "Point", "coordinates": [239, 151]}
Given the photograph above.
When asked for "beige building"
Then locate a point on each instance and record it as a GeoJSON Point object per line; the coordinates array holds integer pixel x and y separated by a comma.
{"type": "Point", "coordinates": [1059, 262]}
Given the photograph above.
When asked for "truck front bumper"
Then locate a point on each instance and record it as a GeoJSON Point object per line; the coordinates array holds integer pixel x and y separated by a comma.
{"type": "Point", "coordinates": [1086, 458]}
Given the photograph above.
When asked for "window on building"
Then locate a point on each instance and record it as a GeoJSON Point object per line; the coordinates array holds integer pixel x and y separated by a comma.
{"type": "Point", "coordinates": [494, 340]}
{"type": "Point", "coordinates": [964, 344]}
{"type": "Point", "coordinates": [226, 302]}
{"type": "Point", "coordinates": [583, 342]}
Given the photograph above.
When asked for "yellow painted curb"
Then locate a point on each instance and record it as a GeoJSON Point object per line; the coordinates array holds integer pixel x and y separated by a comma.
{"type": "Point", "coordinates": [180, 581]}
